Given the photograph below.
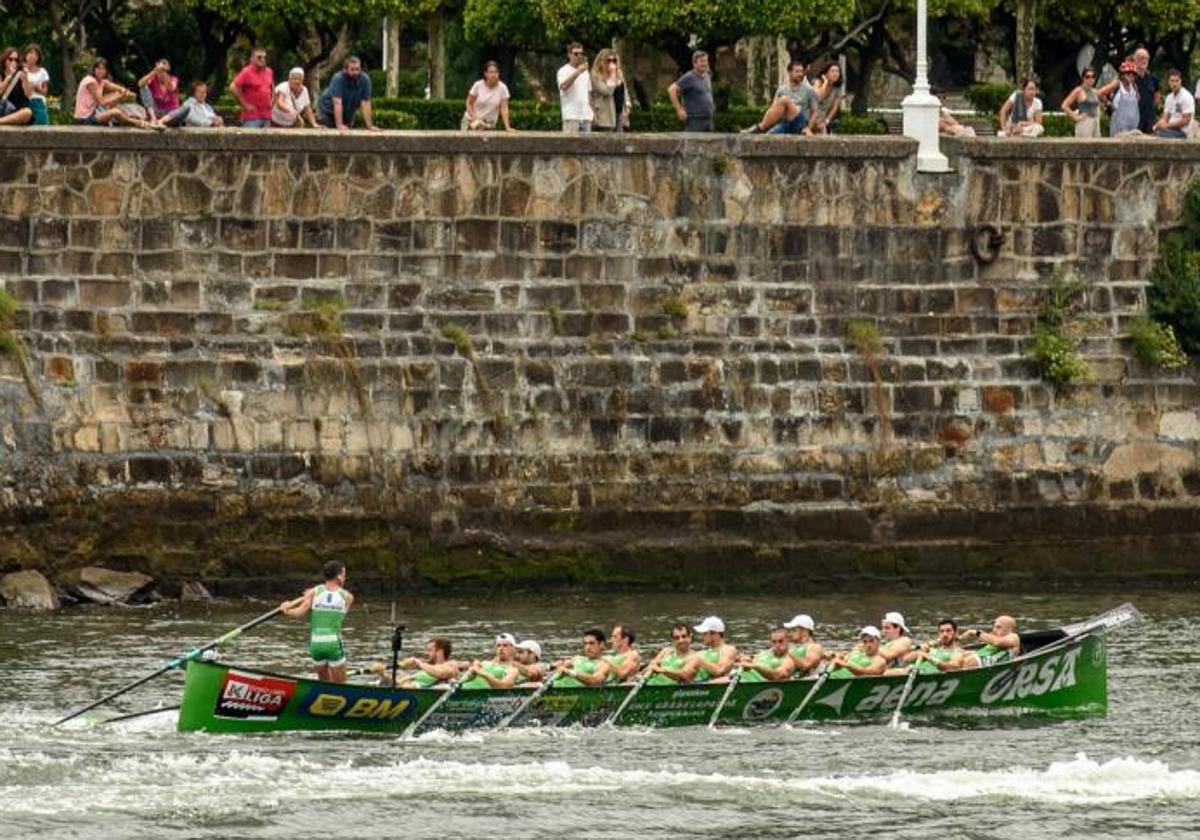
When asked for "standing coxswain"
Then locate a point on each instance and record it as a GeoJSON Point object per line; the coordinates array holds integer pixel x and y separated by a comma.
{"type": "Point", "coordinates": [328, 604]}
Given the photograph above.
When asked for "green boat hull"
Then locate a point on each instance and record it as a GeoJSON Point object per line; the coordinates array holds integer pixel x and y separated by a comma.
{"type": "Point", "coordinates": [1069, 679]}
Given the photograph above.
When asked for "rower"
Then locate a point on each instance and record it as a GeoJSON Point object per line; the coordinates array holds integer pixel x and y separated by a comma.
{"type": "Point", "coordinates": [435, 668]}
{"type": "Point", "coordinates": [327, 604]}
{"type": "Point", "coordinates": [528, 662]}
{"type": "Point", "coordinates": [718, 658]}
{"type": "Point", "coordinates": [625, 660]}
{"type": "Point", "coordinates": [805, 650]}
{"type": "Point", "coordinates": [897, 641]}
{"type": "Point", "coordinates": [497, 672]}
{"type": "Point", "coordinates": [589, 669]}
{"type": "Point", "coordinates": [1001, 645]}
{"type": "Point", "coordinates": [945, 655]}
{"type": "Point", "coordinates": [775, 663]}
{"type": "Point", "coordinates": [864, 660]}
{"type": "Point", "coordinates": [669, 664]}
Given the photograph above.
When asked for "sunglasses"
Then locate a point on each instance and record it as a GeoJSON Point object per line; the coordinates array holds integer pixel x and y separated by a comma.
{"type": "Point", "coordinates": [679, 638]}
{"type": "Point", "coordinates": [612, 61]}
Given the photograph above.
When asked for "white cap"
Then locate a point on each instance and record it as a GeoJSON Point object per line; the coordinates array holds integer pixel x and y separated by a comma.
{"type": "Point", "coordinates": [712, 624]}
{"type": "Point", "coordinates": [506, 639]}
{"type": "Point", "coordinates": [897, 619]}
{"type": "Point", "coordinates": [871, 630]}
{"type": "Point", "coordinates": [801, 620]}
{"type": "Point", "coordinates": [296, 71]}
{"type": "Point", "coordinates": [531, 646]}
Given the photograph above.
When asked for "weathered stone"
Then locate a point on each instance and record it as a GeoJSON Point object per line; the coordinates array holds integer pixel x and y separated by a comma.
{"type": "Point", "coordinates": [194, 591]}
{"type": "Point", "coordinates": [29, 590]}
{"type": "Point", "coordinates": [106, 586]}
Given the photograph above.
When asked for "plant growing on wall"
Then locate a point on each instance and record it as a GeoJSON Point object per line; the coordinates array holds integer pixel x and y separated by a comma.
{"type": "Point", "coordinates": [1155, 344]}
{"type": "Point", "coordinates": [866, 340]}
{"type": "Point", "coordinates": [1055, 342]}
{"type": "Point", "coordinates": [1173, 298]}
{"type": "Point", "coordinates": [12, 347]}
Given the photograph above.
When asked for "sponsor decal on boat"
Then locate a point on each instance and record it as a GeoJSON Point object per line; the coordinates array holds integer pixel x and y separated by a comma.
{"type": "Point", "coordinates": [923, 695]}
{"type": "Point", "coordinates": [252, 697]}
{"type": "Point", "coordinates": [762, 705]}
{"type": "Point", "coordinates": [1033, 679]}
{"type": "Point", "coordinates": [327, 702]}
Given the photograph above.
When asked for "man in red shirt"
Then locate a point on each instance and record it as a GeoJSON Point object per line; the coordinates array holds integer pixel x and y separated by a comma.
{"type": "Point", "coordinates": [253, 87]}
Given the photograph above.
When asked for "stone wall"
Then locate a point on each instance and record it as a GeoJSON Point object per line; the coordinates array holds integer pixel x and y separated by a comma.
{"type": "Point", "coordinates": [598, 360]}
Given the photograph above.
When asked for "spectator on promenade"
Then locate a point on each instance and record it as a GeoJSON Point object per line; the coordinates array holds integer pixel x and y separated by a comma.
{"type": "Point", "coordinates": [948, 124]}
{"type": "Point", "coordinates": [793, 108]}
{"type": "Point", "coordinates": [158, 90]}
{"type": "Point", "coordinates": [694, 88]}
{"type": "Point", "coordinates": [1083, 106]}
{"type": "Point", "coordinates": [37, 84]}
{"type": "Point", "coordinates": [1021, 113]}
{"type": "Point", "coordinates": [487, 102]}
{"type": "Point", "coordinates": [1149, 91]}
{"type": "Point", "coordinates": [292, 105]}
{"type": "Point", "coordinates": [348, 91]}
{"type": "Point", "coordinates": [195, 111]}
{"type": "Point", "coordinates": [252, 88]}
{"type": "Point", "coordinates": [14, 102]}
{"type": "Point", "coordinates": [608, 84]}
{"type": "Point", "coordinates": [97, 98]}
{"type": "Point", "coordinates": [1178, 111]}
{"type": "Point", "coordinates": [575, 91]}
{"type": "Point", "coordinates": [829, 99]}
{"type": "Point", "coordinates": [1125, 112]}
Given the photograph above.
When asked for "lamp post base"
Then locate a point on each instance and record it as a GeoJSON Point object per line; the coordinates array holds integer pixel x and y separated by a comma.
{"type": "Point", "coordinates": [921, 110]}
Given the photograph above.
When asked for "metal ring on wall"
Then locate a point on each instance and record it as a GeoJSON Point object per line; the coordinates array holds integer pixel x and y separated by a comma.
{"type": "Point", "coordinates": [986, 241]}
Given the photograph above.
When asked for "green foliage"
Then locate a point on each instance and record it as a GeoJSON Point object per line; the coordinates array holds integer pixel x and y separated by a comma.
{"type": "Point", "coordinates": [411, 82]}
{"type": "Point", "coordinates": [1174, 294]}
{"type": "Point", "coordinates": [8, 311]}
{"type": "Point", "coordinates": [864, 336]}
{"type": "Point", "coordinates": [988, 98]}
{"type": "Point", "coordinates": [556, 319]}
{"type": "Point", "coordinates": [461, 339]}
{"type": "Point", "coordinates": [1058, 357]}
{"type": "Point", "coordinates": [320, 319]}
{"type": "Point", "coordinates": [1061, 300]}
{"type": "Point", "coordinates": [674, 307]}
{"type": "Point", "coordinates": [396, 120]}
{"type": "Point", "coordinates": [1155, 344]}
{"type": "Point", "coordinates": [665, 333]}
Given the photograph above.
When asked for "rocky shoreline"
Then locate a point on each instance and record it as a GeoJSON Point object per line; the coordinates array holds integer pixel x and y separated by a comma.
{"type": "Point", "coordinates": [30, 589]}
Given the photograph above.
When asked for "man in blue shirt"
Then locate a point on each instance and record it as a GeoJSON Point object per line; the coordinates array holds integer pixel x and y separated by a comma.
{"type": "Point", "coordinates": [348, 91]}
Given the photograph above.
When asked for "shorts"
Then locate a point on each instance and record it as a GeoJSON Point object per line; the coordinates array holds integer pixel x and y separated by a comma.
{"type": "Point", "coordinates": [698, 124]}
{"type": "Point", "coordinates": [41, 114]}
{"type": "Point", "coordinates": [577, 126]}
{"type": "Point", "coordinates": [327, 653]}
{"type": "Point", "coordinates": [255, 123]}
{"type": "Point", "coordinates": [795, 126]}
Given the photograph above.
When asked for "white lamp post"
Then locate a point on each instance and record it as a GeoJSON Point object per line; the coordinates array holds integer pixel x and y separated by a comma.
{"type": "Point", "coordinates": [921, 109]}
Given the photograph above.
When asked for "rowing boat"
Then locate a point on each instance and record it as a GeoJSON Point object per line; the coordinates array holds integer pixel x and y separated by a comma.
{"type": "Point", "coordinates": [1061, 672]}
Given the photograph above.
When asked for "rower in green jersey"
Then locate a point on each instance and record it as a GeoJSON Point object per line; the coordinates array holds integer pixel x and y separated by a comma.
{"type": "Point", "coordinates": [327, 605]}
{"type": "Point", "coordinates": [435, 668]}
{"type": "Point", "coordinates": [625, 660]}
{"type": "Point", "coordinates": [775, 663]}
{"type": "Point", "coordinates": [718, 658]}
{"type": "Point", "coordinates": [946, 655]}
{"type": "Point", "coordinates": [667, 667]}
{"type": "Point", "coordinates": [527, 659]}
{"type": "Point", "coordinates": [864, 660]}
{"type": "Point", "coordinates": [589, 669]}
{"type": "Point", "coordinates": [497, 672]}
{"type": "Point", "coordinates": [1000, 645]}
{"type": "Point", "coordinates": [805, 650]}
{"type": "Point", "coordinates": [897, 641]}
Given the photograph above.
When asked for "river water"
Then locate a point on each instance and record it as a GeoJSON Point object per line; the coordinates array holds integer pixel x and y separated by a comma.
{"type": "Point", "coordinates": [1133, 773]}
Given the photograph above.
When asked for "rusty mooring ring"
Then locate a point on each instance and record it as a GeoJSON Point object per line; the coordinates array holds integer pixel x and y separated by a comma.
{"type": "Point", "coordinates": [986, 241]}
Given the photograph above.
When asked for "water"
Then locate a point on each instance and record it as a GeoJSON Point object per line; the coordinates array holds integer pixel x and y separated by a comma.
{"type": "Point", "coordinates": [1133, 773]}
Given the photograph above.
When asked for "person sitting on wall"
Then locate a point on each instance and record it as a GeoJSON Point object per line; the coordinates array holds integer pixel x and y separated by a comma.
{"type": "Point", "coordinates": [195, 110]}
{"type": "Point", "coordinates": [1021, 114]}
{"type": "Point", "coordinates": [794, 106]}
{"type": "Point", "coordinates": [1179, 110]}
{"type": "Point", "coordinates": [14, 102]}
{"type": "Point", "coordinates": [487, 102]}
{"type": "Point", "coordinates": [349, 91]}
{"type": "Point", "coordinates": [158, 90]}
{"type": "Point", "coordinates": [96, 101]}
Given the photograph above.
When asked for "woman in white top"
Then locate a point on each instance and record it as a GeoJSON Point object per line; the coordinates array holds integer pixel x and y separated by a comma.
{"type": "Point", "coordinates": [487, 102]}
{"type": "Point", "coordinates": [1021, 114]}
{"type": "Point", "coordinates": [37, 84]}
{"type": "Point", "coordinates": [291, 104]}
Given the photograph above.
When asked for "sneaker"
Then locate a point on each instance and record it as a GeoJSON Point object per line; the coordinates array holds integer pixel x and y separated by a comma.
{"type": "Point", "coordinates": [754, 129]}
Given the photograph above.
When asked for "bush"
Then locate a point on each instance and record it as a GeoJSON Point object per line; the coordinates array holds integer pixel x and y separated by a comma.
{"type": "Point", "coordinates": [854, 124]}
{"type": "Point", "coordinates": [1058, 357]}
{"type": "Point", "coordinates": [987, 98]}
{"type": "Point", "coordinates": [412, 82]}
{"type": "Point", "coordinates": [1174, 294]}
{"type": "Point", "coordinates": [1156, 345]}
{"type": "Point", "coordinates": [401, 120]}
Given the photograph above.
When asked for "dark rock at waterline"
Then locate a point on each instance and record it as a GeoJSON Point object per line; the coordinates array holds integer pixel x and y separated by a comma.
{"type": "Point", "coordinates": [28, 589]}
{"type": "Point", "coordinates": [106, 586]}
{"type": "Point", "coordinates": [194, 590]}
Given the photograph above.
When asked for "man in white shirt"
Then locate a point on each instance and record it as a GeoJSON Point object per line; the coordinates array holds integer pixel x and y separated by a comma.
{"type": "Point", "coordinates": [1178, 110]}
{"type": "Point", "coordinates": [575, 89]}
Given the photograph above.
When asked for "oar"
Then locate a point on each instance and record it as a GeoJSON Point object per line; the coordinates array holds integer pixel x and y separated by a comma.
{"type": "Point", "coordinates": [177, 662]}
{"type": "Point", "coordinates": [637, 686]}
{"type": "Point", "coordinates": [912, 678]}
{"type": "Point", "coordinates": [734, 677]}
{"type": "Point", "coordinates": [812, 692]}
{"type": "Point", "coordinates": [142, 713]}
{"type": "Point", "coordinates": [437, 704]}
{"type": "Point", "coordinates": [528, 701]}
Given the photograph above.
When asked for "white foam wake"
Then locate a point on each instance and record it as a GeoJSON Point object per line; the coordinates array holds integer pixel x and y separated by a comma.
{"type": "Point", "coordinates": [162, 782]}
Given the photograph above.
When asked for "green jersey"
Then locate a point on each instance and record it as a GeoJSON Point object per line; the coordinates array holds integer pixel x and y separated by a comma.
{"type": "Point", "coordinates": [496, 670]}
{"type": "Point", "coordinates": [767, 659]}
{"type": "Point", "coordinates": [856, 658]}
{"type": "Point", "coordinates": [581, 665]}
{"type": "Point", "coordinates": [992, 655]}
{"type": "Point", "coordinates": [711, 656]}
{"type": "Point", "coordinates": [939, 654]}
{"type": "Point", "coordinates": [424, 680]}
{"type": "Point", "coordinates": [672, 662]}
{"type": "Point", "coordinates": [328, 613]}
